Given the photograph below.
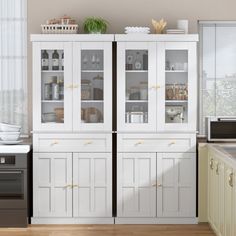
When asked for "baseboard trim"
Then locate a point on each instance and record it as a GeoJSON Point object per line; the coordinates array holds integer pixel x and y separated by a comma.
{"type": "Point", "coordinates": [186, 220]}
{"type": "Point", "coordinates": [36, 220]}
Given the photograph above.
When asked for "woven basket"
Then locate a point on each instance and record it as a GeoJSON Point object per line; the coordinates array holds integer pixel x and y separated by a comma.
{"type": "Point", "coordinates": [59, 29]}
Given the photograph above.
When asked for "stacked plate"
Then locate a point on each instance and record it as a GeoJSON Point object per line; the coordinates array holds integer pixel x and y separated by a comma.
{"type": "Point", "coordinates": [9, 134]}
{"type": "Point", "coordinates": [175, 31]}
{"type": "Point", "coordinates": [137, 30]}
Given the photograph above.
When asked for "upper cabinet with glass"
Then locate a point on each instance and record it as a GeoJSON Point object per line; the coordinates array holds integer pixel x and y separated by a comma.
{"type": "Point", "coordinates": [72, 82]}
{"type": "Point", "coordinates": [157, 82]}
{"type": "Point", "coordinates": [136, 96]}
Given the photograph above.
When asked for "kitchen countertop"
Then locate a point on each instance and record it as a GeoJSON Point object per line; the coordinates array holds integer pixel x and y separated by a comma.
{"type": "Point", "coordinates": [23, 147]}
{"type": "Point", "coordinates": [226, 156]}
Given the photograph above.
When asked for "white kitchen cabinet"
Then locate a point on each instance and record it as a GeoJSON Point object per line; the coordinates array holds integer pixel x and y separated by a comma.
{"type": "Point", "coordinates": [157, 81]}
{"type": "Point", "coordinates": [228, 201]}
{"type": "Point", "coordinates": [72, 83]}
{"type": "Point", "coordinates": [92, 179]}
{"type": "Point", "coordinates": [216, 191]}
{"type": "Point", "coordinates": [136, 185]}
{"type": "Point", "coordinates": [52, 185]}
{"type": "Point", "coordinates": [176, 185]}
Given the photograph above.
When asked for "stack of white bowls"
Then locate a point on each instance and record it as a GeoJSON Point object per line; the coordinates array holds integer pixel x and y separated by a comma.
{"type": "Point", "coordinates": [9, 133]}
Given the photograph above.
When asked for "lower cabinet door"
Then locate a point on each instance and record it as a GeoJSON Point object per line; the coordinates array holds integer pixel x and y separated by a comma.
{"type": "Point", "coordinates": [92, 185]}
{"type": "Point", "coordinates": [176, 184]}
{"type": "Point", "coordinates": [228, 201]}
{"type": "Point", "coordinates": [52, 185]}
{"type": "Point", "coordinates": [136, 185]}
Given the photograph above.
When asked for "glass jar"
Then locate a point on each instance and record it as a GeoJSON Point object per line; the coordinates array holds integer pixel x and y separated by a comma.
{"type": "Point", "coordinates": [98, 88]}
{"type": "Point", "coordinates": [86, 90]}
{"type": "Point", "coordinates": [143, 90]}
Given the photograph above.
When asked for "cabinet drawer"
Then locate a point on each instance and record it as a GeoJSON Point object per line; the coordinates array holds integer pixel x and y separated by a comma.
{"type": "Point", "coordinates": [156, 143]}
{"type": "Point", "coordinates": [72, 143]}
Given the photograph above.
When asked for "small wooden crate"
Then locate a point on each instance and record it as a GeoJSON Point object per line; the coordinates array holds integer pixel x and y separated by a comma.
{"type": "Point", "coordinates": [59, 29]}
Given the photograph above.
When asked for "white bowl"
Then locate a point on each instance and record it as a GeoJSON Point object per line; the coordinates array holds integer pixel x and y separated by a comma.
{"type": "Point", "coordinates": [9, 128]}
{"type": "Point", "coordinates": [9, 136]}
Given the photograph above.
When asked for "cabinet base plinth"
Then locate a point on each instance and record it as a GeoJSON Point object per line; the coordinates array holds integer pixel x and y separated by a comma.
{"type": "Point", "coordinates": [129, 220]}
{"type": "Point", "coordinates": [42, 220]}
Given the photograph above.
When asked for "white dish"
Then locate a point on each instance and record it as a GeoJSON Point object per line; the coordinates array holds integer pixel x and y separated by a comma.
{"type": "Point", "coordinates": [9, 128]}
{"type": "Point", "coordinates": [140, 30]}
{"type": "Point", "coordinates": [9, 136]}
{"type": "Point", "coordinates": [11, 142]}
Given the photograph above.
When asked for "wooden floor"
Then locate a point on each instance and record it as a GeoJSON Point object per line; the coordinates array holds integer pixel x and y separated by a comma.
{"type": "Point", "coordinates": [107, 230]}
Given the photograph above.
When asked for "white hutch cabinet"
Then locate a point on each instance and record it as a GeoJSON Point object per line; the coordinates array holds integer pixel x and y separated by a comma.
{"type": "Point", "coordinates": [156, 126]}
{"type": "Point", "coordinates": [72, 128]}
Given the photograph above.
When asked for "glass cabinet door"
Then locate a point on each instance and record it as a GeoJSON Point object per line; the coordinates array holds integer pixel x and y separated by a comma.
{"type": "Point", "coordinates": [136, 86]}
{"type": "Point", "coordinates": [93, 97]}
{"type": "Point", "coordinates": [53, 87]}
{"type": "Point", "coordinates": [179, 86]}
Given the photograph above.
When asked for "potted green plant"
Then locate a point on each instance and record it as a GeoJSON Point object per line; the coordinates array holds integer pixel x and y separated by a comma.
{"type": "Point", "coordinates": [93, 25]}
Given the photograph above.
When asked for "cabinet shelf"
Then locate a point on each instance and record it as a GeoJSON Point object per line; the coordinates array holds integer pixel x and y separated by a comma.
{"type": "Point", "coordinates": [52, 71]}
{"type": "Point", "coordinates": [136, 101]}
{"type": "Point", "coordinates": [92, 101]}
{"type": "Point", "coordinates": [176, 71]}
{"type": "Point", "coordinates": [176, 101]}
{"type": "Point", "coordinates": [92, 71]}
{"type": "Point", "coordinates": [136, 71]}
{"type": "Point", "coordinates": [52, 101]}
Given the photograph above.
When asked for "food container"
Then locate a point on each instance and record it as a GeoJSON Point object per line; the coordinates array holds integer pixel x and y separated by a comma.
{"type": "Point", "coordinates": [9, 128]}
{"type": "Point", "coordinates": [98, 88]}
{"type": "Point", "coordinates": [59, 112]}
{"type": "Point", "coordinates": [48, 117]}
{"type": "Point", "coordinates": [92, 115]}
{"type": "Point", "coordinates": [143, 90]}
{"type": "Point", "coordinates": [9, 136]}
{"type": "Point", "coordinates": [86, 90]}
{"type": "Point", "coordinates": [134, 93]}
{"type": "Point", "coordinates": [136, 117]}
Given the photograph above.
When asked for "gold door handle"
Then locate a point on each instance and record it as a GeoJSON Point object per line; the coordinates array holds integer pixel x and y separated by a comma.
{"type": "Point", "coordinates": [54, 142]}
{"type": "Point", "coordinates": [217, 169]}
{"type": "Point", "coordinates": [70, 86]}
{"type": "Point", "coordinates": [76, 86]}
{"type": "Point", "coordinates": [231, 180]}
{"type": "Point", "coordinates": [154, 184]}
{"type": "Point", "coordinates": [158, 86]}
{"type": "Point", "coordinates": [139, 142]}
{"type": "Point", "coordinates": [211, 164]}
{"type": "Point", "coordinates": [159, 185]}
{"type": "Point", "coordinates": [88, 142]}
{"type": "Point", "coordinates": [68, 186]}
{"type": "Point", "coordinates": [153, 87]}
{"type": "Point", "coordinates": [173, 142]}
{"type": "Point", "coordinates": [75, 185]}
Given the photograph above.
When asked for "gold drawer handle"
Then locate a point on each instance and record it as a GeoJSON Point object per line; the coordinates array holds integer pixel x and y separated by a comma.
{"type": "Point", "coordinates": [159, 185]}
{"type": "Point", "coordinates": [76, 86]}
{"type": "Point", "coordinates": [70, 86]}
{"type": "Point", "coordinates": [75, 185]}
{"type": "Point", "coordinates": [139, 142]}
{"type": "Point", "coordinates": [158, 86]}
{"type": "Point", "coordinates": [54, 142]}
{"type": "Point", "coordinates": [211, 164]}
{"type": "Point", "coordinates": [88, 142]}
{"type": "Point", "coordinates": [154, 184]}
{"type": "Point", "coordinates": [231, 180]}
